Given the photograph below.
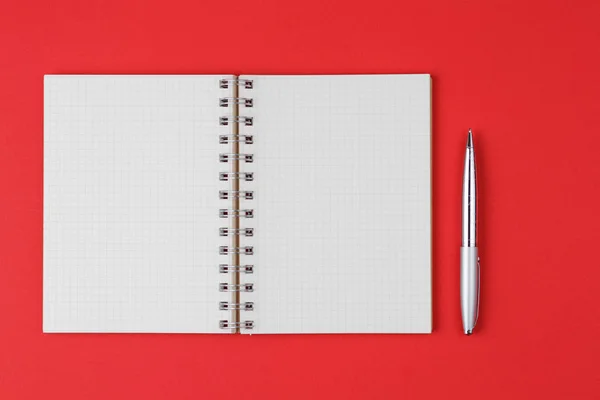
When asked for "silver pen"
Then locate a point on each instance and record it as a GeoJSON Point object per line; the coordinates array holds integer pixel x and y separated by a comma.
{"type": "Point", "coordinates": [469, 258]}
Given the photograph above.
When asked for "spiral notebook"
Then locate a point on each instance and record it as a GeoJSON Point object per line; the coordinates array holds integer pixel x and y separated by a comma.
{"type": "Point", "coordinates": [237, 204]}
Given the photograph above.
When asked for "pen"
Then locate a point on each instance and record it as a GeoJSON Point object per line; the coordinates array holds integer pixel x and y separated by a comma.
{"type": "Point", "coordinates": [469, 258]}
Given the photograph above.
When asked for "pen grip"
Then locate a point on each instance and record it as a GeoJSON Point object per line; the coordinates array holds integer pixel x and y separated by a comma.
{"type": "Point", "coordinates": [469, 287]}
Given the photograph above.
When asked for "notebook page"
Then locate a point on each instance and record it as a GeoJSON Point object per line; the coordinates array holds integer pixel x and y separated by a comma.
{"type": "Point", "coordinates": [131, 203]}
{"type": "Point", "coordinates": [343, 204]}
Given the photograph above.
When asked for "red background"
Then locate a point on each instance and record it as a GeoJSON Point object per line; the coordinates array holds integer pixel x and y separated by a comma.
{"type": "Point", "coordinates": [523, 75]}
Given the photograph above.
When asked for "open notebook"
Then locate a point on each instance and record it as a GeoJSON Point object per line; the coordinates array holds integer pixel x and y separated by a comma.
{"type": "Point", "coordinates": [252, 204]}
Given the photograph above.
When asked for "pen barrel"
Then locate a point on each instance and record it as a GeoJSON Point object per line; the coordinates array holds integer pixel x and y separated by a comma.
{"type": "Point", "coordinates": [469, 201]}
{"type": "Point", "coordinates": [469, 287]}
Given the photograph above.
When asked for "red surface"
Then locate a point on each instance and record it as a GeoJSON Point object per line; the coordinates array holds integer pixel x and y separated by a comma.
{"type": "Point", "coordinates": [523, 75]}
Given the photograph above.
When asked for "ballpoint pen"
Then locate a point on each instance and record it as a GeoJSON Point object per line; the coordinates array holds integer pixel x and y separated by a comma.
{"type": "Point", "coordinates": [469, 258]}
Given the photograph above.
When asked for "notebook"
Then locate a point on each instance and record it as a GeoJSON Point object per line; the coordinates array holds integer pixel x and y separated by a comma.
{"type": "Point", "coordinates": [237, 204]}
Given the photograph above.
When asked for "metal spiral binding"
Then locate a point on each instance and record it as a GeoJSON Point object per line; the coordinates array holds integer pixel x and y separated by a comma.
{"type": "Point", "coordinates": [247, 176]}
{"type": "Point", "coordinates": [234, 213]}
{"type": "Point", "coordinates": [246, 306]}
{"type": "Point", "coordinates": [236, 231]}
{"type": "Point", "coordinates": [248, 121]}
{"type": "Point", "coordinates": [231, 287]}
{"type": "Point", "coordinates": [246, 83]}
{"type": "Point", "coordinates": [236, 194]}
{"type": "Point", "coordinates": [247, 250]}
{"type": "Point", "coordinates": [226, 157]}
{"type": "Point", "coordinates": [224, 324]}
{"type": "Point", "coordinates": [228, 269]}
{"type": "Point", "coordinates": [246, 139]}
{"type": "Point", "coordinates": [228, 212]}
{"type": "Point", "coordinates": [226, 101]}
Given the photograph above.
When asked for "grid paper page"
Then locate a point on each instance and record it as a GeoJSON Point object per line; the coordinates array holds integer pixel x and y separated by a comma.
{"type": "Point", "coordinates": [131, 203]}
{"type": "Point", "coordinates": [343, 204]}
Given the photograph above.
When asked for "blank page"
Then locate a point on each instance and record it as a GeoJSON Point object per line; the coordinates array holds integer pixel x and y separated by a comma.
{"type": "Point", "coordinates": [343, 203]}
{"type": "Point", "coordinates": [131, 203]}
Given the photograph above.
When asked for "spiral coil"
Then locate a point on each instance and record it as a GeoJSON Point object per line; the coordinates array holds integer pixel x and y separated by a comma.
{"type": "Point", "coordinates": [225, 250]}
{"type": "Point", "coordinates": [226, 157]}
{"type": "Point", "coordinates": [248, 121]}
{"type": "Point", "coordinates": [226, 101]}
{"type": "Point", "coordinates": [232, 287]}
{"type": "Point", "coordinates": [236, 231]}
{"type": "Point", "coordinates": [228, 269]}
{"type": "Point", "coordinates": [224, 324]}
{"type": "Point", "coordinates": [246, 83]}
{"type": "Point", "coordinates": [228, 212]}
{"type": "Point", "coordinates": [226, 305]}
{"type": "Point", "coordinates": [247, 176]}
{"type": "Point", "coordinates": [235, 214]}
{"type": "Point", "coordinates": [236, 194]}
{"type": "Point", "coordinates": [246, 139]}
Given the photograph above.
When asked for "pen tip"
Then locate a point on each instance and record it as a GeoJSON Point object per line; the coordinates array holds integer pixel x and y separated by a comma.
{"type": "Point", "coordinates": [470, 139]}
{"type": "Point", "coordinates": [468, 332]}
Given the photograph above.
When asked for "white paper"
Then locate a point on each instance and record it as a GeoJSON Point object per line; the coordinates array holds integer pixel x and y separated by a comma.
{"type": "Point", "coordinates": [343, 204]}
{"type": "Point", "coordinates": [131, 203]}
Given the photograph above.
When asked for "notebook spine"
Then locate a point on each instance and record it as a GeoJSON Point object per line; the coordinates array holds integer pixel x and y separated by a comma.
{"type": "Point", "coordinates": [234, 213]}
